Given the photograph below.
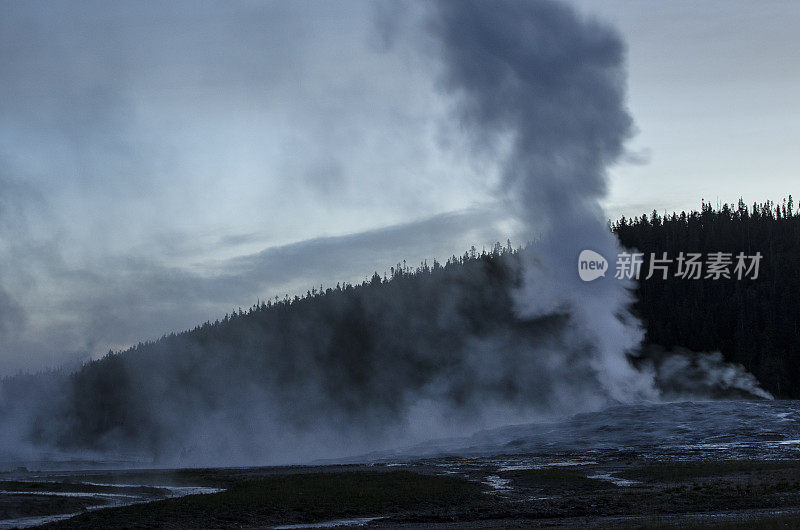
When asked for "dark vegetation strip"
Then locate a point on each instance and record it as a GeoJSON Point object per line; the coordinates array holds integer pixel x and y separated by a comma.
{"type": "Point", "coordinates": [297, 498]}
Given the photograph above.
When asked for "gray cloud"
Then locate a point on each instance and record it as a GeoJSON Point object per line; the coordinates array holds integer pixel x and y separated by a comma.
{"type": "Point", "coordinates": [215, 118]}
{"type": "Point", "coordinates": [124, 299]}
{"type": "Point", "coordinates": [146, 148]}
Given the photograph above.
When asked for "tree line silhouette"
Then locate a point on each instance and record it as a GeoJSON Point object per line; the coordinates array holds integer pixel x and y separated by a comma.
{"type": "Point", "coordinates": [753, 322]}
{"type": "Point", "coordinates": [346, 355]}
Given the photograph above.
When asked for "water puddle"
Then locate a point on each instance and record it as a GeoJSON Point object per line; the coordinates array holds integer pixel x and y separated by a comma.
{"type": "Point", "coordinates": [70, 494]}
{"type": "Point", "coordinates": [27, 522]}
{"type": "Point", "coordinates": [137, 494]}
{"type": "Point", "coordinates": [174, 491]}
{"type": "Point", "coordinates": [614, 480]}
{"type": "Point", "coordinates": [356, 521]}
{"type": "Point", "coordinates": [548, 465]}
{"type": "Point", "coordinates": [497, 483]}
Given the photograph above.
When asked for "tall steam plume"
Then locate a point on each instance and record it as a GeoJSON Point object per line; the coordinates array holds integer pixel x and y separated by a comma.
{"type": "Point", "coordinates": [544, 91]}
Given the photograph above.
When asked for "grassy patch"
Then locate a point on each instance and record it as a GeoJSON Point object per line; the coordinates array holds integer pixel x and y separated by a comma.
{"type": "Point", "coordinates": [766, 522]}
{"type": "Point", "coordinates": [687, 471]}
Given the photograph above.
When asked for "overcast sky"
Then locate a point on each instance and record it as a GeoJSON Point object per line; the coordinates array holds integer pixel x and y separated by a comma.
{"type": "Point", "coordinates": [162, 163]}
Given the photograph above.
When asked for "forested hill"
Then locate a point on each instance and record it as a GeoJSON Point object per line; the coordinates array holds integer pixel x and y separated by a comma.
{"type": "Point", "coordinates": [349, 358]}
{"type": "Point", "coordinates": [357, 361]}
{"type": "Point", "coordinates": [752, 322]}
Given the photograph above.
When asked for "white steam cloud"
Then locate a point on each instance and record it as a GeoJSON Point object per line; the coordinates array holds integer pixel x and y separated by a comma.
{"type": "Point", "coordinates": [544, 89]}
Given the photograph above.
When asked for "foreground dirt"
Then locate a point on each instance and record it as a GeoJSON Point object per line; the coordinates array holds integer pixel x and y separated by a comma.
{"type": "Point", "coordinates": [628, 493]}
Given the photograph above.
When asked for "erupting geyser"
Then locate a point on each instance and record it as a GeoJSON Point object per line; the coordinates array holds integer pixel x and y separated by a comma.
{"type": "Point", "coordinates": [544, 92]}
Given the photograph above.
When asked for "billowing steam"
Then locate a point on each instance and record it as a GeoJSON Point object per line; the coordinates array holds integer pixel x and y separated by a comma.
{"type": "Point", "coordinates": [545, 91]}
{"type": "Point", "coordinates": [683, 374]}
